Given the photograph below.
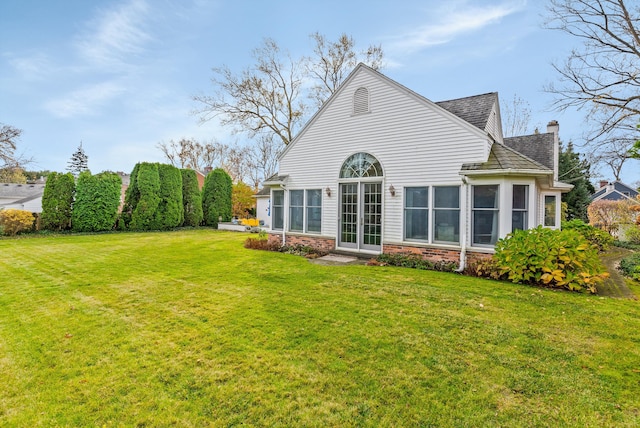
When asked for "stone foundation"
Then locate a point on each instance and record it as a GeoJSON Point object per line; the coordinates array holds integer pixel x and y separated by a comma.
{"type": "Point", "coordinates": [317, 242]}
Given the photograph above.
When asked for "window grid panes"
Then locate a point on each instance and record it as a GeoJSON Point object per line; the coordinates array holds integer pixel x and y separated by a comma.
{"type": "Point", "coordinates": [372, 211]}
{"type": "Point", "coordinates": [361, 165]}
{"type": "Point", "coordinates": [446, 213]}
{"type": "Point", "coordinates": [278, 209]}
{"type": "Point", "coordinates": [349, 221]}
{"type": "Point", "coordinates": [520, 207]}
{"type": "Point", "coordinates": [485, 215]}
{"type": "Point", "coordinates": [416, 213]}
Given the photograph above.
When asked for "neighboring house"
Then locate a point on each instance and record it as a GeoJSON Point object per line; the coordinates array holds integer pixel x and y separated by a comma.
{"type": "Point", "coordinates": [380, 168]}
{"type": "Point", "coordinates": [615, 191]}
{"type": "Point", "coordinates": [263, 207]}
{"type": "Point", "coordinates": [27, 197]}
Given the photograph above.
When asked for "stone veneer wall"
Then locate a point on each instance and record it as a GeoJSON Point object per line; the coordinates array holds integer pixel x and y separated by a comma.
{"type": "Point", "coordinates": [432, 254]}
{"type": "Point", "coordinates": [318, 242]}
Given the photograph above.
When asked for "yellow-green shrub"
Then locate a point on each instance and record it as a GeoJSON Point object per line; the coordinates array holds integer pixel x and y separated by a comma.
{"type": "Point", "coordinates": [13, 221]}
{"type": "Point", "coordinates": [552, 258]}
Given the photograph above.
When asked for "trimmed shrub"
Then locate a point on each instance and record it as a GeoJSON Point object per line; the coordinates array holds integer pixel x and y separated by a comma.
{"type": "Point", "coordinates": [131, 198]}
{"type": "Point", "coordinates": [596, 236]}
{"type": "Point", "coordinates": [216, 197]}
{"type": "Point", "coordinates": [630, 266]}
{"type": "Point", "coordinates": [97, 199]}
{"type": "Point", "coordinates": [170, 212]}
{"type": "Point", "coordinates": [148, 186]}
{"type": "Point", "coordinates": [57, 201]}
{"type": "Point", "coordinates": [632, 235]}
{"type": "Point", "coordinates": [552, 258]}
{"type": "Point", "coordinates": [261, 243]}
{"type": "Point", "coordinates": [191, 198]}
{"type": "Point", "coordinates": [13, 221]}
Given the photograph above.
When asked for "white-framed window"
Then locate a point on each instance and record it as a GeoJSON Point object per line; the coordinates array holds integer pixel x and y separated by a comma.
{"type": "Point", "coordinates": [314, 211]}
{"type": "Point", "coordinates": [446, 214]}
{"type": "Point", "coordinates": [520, 207]}
{"type": "Point", "coordinates": [278, 209]}
{"type": "Point", "coordinates": [296, 210]}
{"type": "Point", "coordinates": [416, 213]}
{"type": "Point", "coordinates": [550, 211]}
{"type": "Point", "coordinates": [485, 214]}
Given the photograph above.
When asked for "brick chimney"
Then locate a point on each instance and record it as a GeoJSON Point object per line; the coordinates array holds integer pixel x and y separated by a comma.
{"type": "Point", "coordinates": [603, 183]}
{"type": "Point", "coordinates": [554, 128]}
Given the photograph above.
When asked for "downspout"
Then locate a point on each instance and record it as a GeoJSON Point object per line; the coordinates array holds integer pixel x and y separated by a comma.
{"type": "Point", "coordinates": [284, 210]}
{"type": "Point", "coordinates": [463, 231]}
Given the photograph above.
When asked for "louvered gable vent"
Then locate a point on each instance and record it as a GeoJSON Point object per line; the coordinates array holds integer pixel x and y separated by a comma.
{"type": "Point", "coordinates": [361, 101]}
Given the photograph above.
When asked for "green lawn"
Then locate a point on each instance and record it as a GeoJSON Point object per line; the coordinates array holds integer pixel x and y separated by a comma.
{"type": "Point", "coordinates": [189, 328]}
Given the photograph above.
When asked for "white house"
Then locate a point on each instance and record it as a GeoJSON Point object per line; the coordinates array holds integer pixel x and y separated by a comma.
{"type": "Point", "coordinates": [26, 197]}
{"type": "Point", "coordinates": [381, 169]}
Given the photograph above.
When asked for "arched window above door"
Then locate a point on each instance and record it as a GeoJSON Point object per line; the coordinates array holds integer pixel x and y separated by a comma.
{"type": "Point", "coordinates": [361, 165]}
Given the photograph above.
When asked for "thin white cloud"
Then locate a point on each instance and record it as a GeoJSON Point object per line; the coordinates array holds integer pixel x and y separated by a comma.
{"type": "Point", "coordinates": [33, 67]}
{"type": "Point", "coordinates": [115, 35]}
{"type": "Point", "coordinates": [85, 101]}
{"type": "Point", "coordinates": [452, 21]}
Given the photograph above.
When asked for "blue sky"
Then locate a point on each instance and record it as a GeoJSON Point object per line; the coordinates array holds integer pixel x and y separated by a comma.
{"type": "Point", "coordinates": [119, 75]}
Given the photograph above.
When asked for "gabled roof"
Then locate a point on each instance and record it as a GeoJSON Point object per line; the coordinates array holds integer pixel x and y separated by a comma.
{"type": "Point", "coordinates": [615, 191]}
{"type": "Point", "coordinates": [475, 109]}
{"type": "Point", "coordinates": [275, 179]}
{"type": "Point", "coordinates": [20, 191]}
{"type": "Point", "coordinates": [538, 147]}
{"type": "Point", "coordinates": [504, 159]}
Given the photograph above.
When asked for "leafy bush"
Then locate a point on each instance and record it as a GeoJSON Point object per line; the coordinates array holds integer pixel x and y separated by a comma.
{"type": "Point", "coordinates": [632, 234]}
{"type": "Point", "coordinates": [596, 236]}
{"type": "Point", "coordinates": [97, 199]}
{"type": "Point", "coordinates": [415, 261]}
{"type": "Point", "coordinates": [57, 201]}
{"type": "Point", "coordinates": [553, 258]}
{"type": "Point", "coordinates": [261, 243]}
{"type": "Point", "coordinates": [191, 198]}
{"type": "Point", "coordinates": [13, 221]}
{"type": "Point", "coordinates": [302, 250]}
{"type": "Point", "coordinates": [487, 268]}
{"type": "Point", "coordinates": [630, 266]}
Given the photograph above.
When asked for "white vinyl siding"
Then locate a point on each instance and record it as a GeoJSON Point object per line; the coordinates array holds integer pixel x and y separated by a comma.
{"type": "Point", "coordinates": [414, 140]}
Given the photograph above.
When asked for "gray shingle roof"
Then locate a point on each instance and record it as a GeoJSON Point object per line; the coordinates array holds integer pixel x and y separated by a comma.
{"type": "Point", "coordinates": [475, 109]}
{"type": "Point", "coordinates": [504, 158]}
{"type": "Point", "coordinates": [538, 147]}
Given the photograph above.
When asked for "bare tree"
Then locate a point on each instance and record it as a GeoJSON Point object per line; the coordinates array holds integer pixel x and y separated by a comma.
{"type": "Point", "coordinates": [602, 76]}
{"type": "Point", "coordinates": [516, 118]}
{"type": "Point", "coordinates": [333, 61]}
{"type": "Point", "coordinates": [262, 160]}
{"type": "Point", "coordinates": [613, 153]}
{"type": "Point", "coordinates": [189, 153]}
{"type": "Point", "coordinates": [265, 97]}
{"type": "Point", "coordinates": [9, 137]}
{"type": "Point", "coordinates": [269, 97]}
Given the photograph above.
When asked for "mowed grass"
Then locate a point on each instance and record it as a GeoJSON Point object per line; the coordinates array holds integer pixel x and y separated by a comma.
{"type": "Point", "coordinates": [188, 328]}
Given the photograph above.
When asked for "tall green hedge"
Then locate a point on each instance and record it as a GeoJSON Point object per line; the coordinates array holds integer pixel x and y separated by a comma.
{"type": "Point", "coordinates": [97, 199]}
{"type": "Point", "coordinates": [148, 185]}
{"type": "Point", "coordinates": [57, 201]}
{"type": "Point", "coordinates": [216, 197]}
{"type": "Point", "coordinates": [131, 198]}
{"type": "Point", "coordinates": [170, 212]}
{"type": "Point", "coordinates": [191, 198]}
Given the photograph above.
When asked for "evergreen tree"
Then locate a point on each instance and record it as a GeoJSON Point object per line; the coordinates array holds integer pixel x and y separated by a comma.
{"type": "Point", "coordinates": [131, 198]}
{"type": "Point", "coordinates": [148, 185]}
{"type": "Point", "coordinates": [79, 161]}
{"type": "Point", "coordinates": [575, 170]}
{"type": "Point", "coordinates": [57, 201]}
{"type": "Point", "coordinates": [97, 199]}
{"type": "Point", "coordinates": [191, 198]}
{"type": "Point", "coordinates": [216, 197]}
{"type": "Point", "coordinates": [170, 211]}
